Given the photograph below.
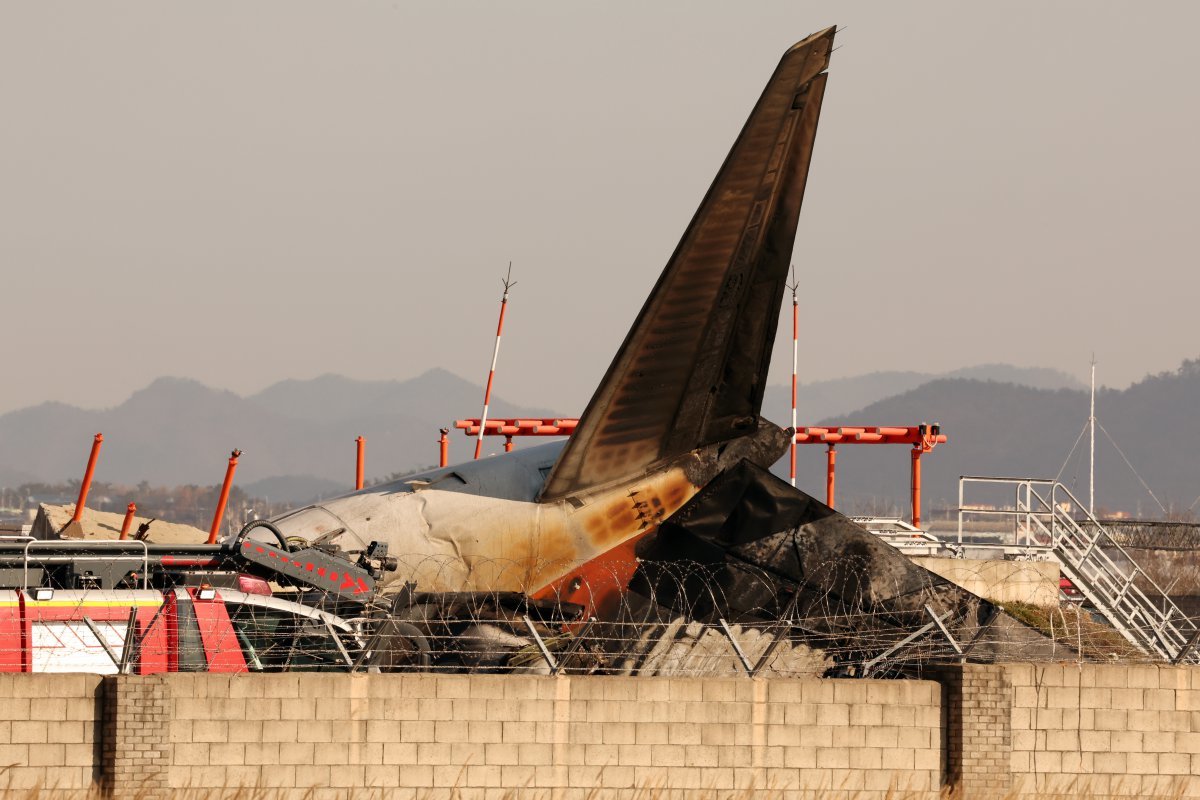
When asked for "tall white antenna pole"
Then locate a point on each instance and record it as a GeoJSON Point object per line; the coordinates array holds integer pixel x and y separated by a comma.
{"type": "Point", "coordinates": [795, 364]}
{"type": "Point", "coordinates": [1092, 461]}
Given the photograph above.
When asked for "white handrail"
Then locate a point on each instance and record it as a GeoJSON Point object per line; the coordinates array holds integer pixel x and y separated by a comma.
{"type": "Point", "coordinates": [1097, 565]}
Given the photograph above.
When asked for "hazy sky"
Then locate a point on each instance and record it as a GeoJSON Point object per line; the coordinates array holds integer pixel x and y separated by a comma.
{"type": "Point", "coordinates": [241, 192]}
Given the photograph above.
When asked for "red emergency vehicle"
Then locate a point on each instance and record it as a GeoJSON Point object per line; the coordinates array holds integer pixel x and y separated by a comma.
{"type": "Point", "coordinates": [183, 629]}
{"type": "Point", "coordinates": [254, 603]}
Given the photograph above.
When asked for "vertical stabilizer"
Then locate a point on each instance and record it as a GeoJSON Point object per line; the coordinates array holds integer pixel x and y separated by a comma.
{"type": "Point", "coordinates": [692, 370]}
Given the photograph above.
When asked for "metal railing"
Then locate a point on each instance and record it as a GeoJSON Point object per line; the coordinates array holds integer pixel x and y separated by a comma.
{"type": "Point", "coordinates": [63, 551]}
{"type": "Point", "coordinates": [1095, 563]}
{"type": "Point", "coordinates": [902, 535]}
{"type": "Point", "coordinates": [1035, 501]}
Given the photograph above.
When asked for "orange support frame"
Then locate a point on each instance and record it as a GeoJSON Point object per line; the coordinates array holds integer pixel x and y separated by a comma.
{"type": "Point", "coordinates": [130, 510]}
{"type": "Point", "coordinates": [916, 486]}
{"type": "Point", "coordinates": [225, 487]}
{"type": "Point", "coordinates": [88, 474]}
{"type": "Point", "coordinates": [547, 426]}
{"type": "Point", "coordinates": [831, 475]}
{"type": "Point", "coordinates": [923, 439]}
{"type": "Point", "coordinates": [360, 464]}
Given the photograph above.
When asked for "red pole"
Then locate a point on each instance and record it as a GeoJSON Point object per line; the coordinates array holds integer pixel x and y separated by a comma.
{"type": "Point", "coordinates": [830, 474]}
{"type": "Point", "coordinates": [217, 517]}
{"type": "Point", "coordinates": [916, 486]}
{"type": "Point", "coordinates": [444, 448]}
{"type": "Point", "coordinates": [362, 453]}
{"type": "Point", "coordinates": [86, 486]}
{"type": "Point", "coordinates": [130, 510]}
{"type": "Point", "coordinates": [508, 445]}
{"type": "Point", "coordinates": [487, 392]}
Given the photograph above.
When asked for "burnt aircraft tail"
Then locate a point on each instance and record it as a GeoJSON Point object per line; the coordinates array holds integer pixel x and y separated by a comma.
{"type": "Point", "coordinates": [692, 370]}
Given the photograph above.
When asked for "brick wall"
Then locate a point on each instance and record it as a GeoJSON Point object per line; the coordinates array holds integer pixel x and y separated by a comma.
{"type": "Point", "coordinates": [1132, 731]}
{"type": "Point", "coordinates": [557, 736]}
{"type": "Point", "coordinates": [1113, 730]}
{"type": "Point", "coordinates": [977, 700]}
{"type": "Point", "coordinates": [48, 731]}
{"type": "Point", "coordinates": [136, 748]}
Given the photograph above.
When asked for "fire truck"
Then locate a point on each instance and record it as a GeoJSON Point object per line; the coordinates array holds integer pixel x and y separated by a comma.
{"type": "Point", "coordinates": [255, 603]}
{"type": "Point", "coordinates": [181, 629]}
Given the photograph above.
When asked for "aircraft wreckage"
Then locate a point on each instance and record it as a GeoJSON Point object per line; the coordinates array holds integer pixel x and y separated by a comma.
{"type": "Point", "coordinates": [656, 528]}
{"type": "Point", "coordinates": [660, 508]}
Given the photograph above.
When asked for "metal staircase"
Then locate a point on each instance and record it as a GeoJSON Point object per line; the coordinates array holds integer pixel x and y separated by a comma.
{"type": "Point", "coordinates": [1106, 574]}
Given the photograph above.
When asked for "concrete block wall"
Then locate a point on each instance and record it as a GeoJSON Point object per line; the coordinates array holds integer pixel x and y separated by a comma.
{"type": "Point", "coordinates": [1034, 582]}
{"type": "Point", "coordinates": [1112, 730]}
{"type": "Point", "coordinates": [1116, 730]}
{"type": "Point", "coordinates": [49, 731]}
{"type": "Point", "coordinates": [554, 736]}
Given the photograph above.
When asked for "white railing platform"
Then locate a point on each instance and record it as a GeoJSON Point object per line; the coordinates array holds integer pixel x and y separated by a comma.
{"type": "Point", "coordinates": [1046, 515]}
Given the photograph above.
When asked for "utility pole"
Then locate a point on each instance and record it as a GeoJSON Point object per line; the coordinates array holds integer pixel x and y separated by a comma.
{"type": "Point", "coordinates": [1092, 460]}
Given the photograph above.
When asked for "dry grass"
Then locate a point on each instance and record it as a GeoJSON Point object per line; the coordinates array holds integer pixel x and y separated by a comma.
{"type": "Point", "coordinates": [1075, 629]}
{"type": "Point", "coordinates": [1076, 788]}
{"type": "Point", "coordinates": [1177, 572]}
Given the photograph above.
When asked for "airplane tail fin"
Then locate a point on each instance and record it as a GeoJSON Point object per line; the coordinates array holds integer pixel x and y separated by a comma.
{"type": "Point", "coordinates": [692, 370]}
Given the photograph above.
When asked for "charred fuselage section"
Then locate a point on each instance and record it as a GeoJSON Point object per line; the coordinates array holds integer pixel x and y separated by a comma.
{"type": "Point", "coordinates": [752, 549]}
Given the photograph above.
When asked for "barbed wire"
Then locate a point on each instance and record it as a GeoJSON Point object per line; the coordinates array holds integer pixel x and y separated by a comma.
{"type": "Point", "coordinates": [678, 618]}
{"type": "Point", "coordinates": [1154, 534]}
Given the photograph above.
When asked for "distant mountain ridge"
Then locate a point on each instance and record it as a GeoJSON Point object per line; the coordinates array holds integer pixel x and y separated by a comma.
{"type": "Point", "coordinates": [1009, 430]}
{"type": "Point", "coordinates": [334, 397]}
{"type": "Point", "coordinates": [820, 399]}
{"type": "Point", "coordinates": [298, 436]}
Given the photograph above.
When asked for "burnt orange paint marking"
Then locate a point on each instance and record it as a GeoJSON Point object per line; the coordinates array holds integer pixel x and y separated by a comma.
{"type": "Point", "coordinates": [598, 584]}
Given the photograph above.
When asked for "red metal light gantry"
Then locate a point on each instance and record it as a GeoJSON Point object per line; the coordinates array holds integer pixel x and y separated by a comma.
{"type": "Point", "coordinates": [922, 438]}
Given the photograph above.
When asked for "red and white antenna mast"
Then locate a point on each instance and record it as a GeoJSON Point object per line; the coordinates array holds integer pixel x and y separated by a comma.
{"type": "Point", "coordinates": [487, 392]}
{"type": "Point", "coordinates": [795, 363]}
